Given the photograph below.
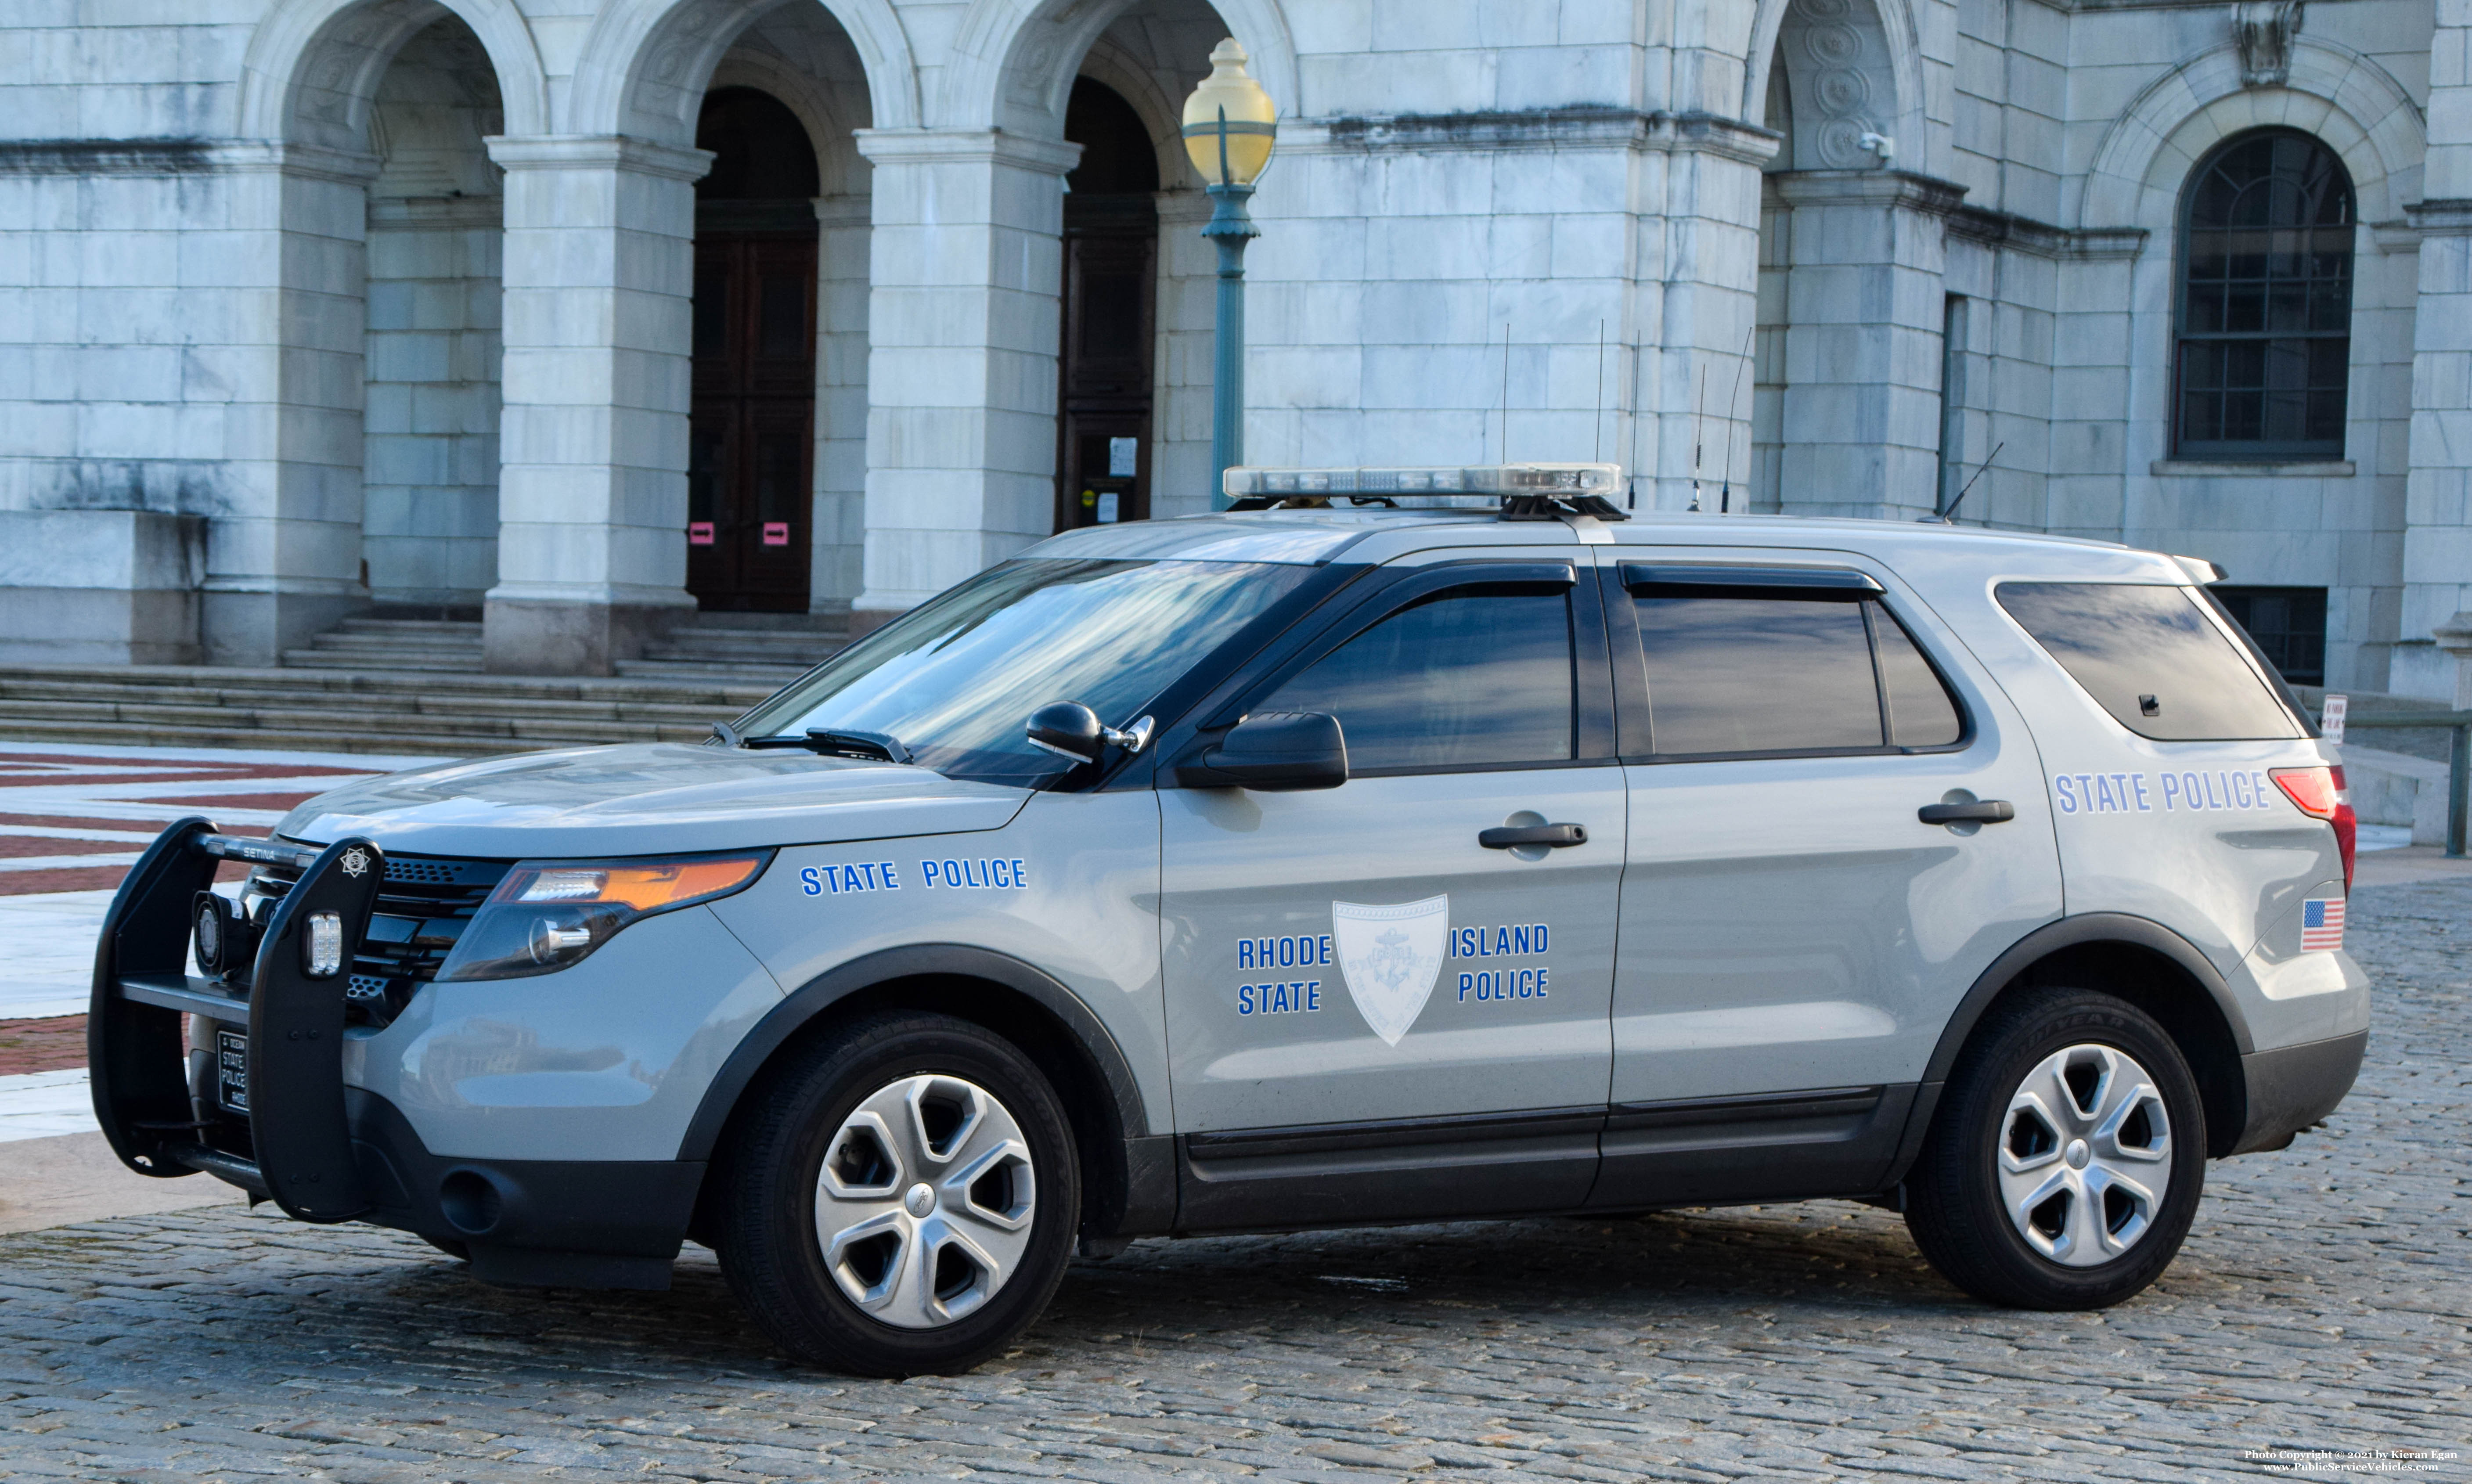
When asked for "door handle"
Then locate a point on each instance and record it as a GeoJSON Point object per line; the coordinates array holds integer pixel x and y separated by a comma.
{"type": "Point", "coordinates": [1987, 812]}
{"type": "Point", "coordinates": [1503, 837]}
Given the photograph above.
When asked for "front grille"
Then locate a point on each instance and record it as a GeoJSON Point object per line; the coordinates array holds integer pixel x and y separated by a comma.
{"type": "Point", "coordinates": [424, 906]}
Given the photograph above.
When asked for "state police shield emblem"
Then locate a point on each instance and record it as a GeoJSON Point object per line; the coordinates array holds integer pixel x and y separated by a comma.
{"type": "Point", "coordinates": [1390, 957]}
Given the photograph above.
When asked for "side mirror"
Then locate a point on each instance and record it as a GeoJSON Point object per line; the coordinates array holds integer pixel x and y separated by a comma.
{"type": "Point", "coordinates": [1072, 730]}
{"type": "Point", "coordinates": [1274, 750]}
{"type": "Point", "coordinates": [1068, 729]}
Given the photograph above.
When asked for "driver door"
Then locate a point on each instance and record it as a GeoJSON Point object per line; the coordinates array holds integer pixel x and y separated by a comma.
{"type": "Point", "coordinates": [1371, 1013]}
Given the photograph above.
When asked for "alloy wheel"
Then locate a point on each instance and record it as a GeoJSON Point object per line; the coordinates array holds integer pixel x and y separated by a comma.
{"type": "Point", "coordinates": [924, 1204]}
{"type": "Point", "coordinates": [2085, 1155]}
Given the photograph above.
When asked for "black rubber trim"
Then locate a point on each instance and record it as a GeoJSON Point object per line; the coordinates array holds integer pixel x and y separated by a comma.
{"type": "Point", "coordinates": [2291, 1087]}
{"type": "Point", "coordinates": [1827, 581]}
{"type": "Point", "coordinates": [1746, 1108]}
{"type": "Point", "coordinates": [2070, 932]}
{"type": "Point", "coordinates": [1390, 1133]}
{"type": "Point", "coordinates": [1392, 1170]}
{"type": "Point", "coordinates": [1774, 1146]}
{"type": "Point", "coordinates": [1149, 1178]}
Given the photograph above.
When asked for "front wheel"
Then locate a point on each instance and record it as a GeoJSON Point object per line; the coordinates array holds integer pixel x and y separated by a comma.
{"type": "Point", "coordinates": [901, 1198]}
{"type": "Point", "coordinates": [2066, 1157]}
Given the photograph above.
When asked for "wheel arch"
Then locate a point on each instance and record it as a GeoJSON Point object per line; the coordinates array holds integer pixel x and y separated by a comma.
{"type": "Point", "coordinates": [1129, 1172]}
{"type": "Point", "coordinates": [2143, 962]}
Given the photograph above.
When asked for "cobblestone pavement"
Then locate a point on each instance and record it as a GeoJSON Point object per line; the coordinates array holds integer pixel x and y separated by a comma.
{"type": "Point", "coordinates": [2321, 1304]}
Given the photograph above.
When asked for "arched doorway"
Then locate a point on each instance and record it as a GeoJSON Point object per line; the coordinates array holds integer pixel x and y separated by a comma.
{"type": "Point", "coordinates": [750, 433]}
{"type": "Point", "coordinates": [1103, 457]}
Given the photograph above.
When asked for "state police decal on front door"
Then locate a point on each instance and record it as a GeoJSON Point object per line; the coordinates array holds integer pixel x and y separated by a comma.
{"type": "Point", "coordinates": [1389, 958]}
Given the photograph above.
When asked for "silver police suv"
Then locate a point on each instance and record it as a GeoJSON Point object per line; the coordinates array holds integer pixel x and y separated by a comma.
{"type": "Point", "coordinates": [1354, 857]}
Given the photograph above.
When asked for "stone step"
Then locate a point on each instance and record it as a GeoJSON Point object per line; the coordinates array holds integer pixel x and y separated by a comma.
{"type": "Point", "coordinates": [578, 713]}
{"type": "Point", "coordinates": [362, 682]}
{"type": "Point", "coordinates": [437, 627]}
{"type": "Point", "coordinates": [417, 659]}
{"type": "Point", "coordinates": [361, 710]}
{"type": "Point", "coordinates": [541, 731]}
{"type": "Point", "coordinates": [770, 674]}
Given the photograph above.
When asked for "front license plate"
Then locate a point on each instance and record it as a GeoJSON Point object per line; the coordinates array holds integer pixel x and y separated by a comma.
{"type": "Point", "coordinates": [231, 1070]}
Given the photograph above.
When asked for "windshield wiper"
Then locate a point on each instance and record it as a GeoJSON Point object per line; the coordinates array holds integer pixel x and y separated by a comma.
{"type": "Point", "coordinates": [873, 747]}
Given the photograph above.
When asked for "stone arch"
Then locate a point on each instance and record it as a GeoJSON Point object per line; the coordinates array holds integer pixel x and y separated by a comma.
{"type": "Point", "coordinates": [1843, 78]}
{"type": "Point", "coordinates": [1874, 74]}
{"type": "Point", "coordinates": [313, 66]}
{"type": "Point", "coordinates": [2343, 98]}
{"type": "Point", "coordinates": [2141, 171]}
{"type": "Point", "coordinates": [646, 63]}
{"type": "Point", "coordinates": [1015, 61]}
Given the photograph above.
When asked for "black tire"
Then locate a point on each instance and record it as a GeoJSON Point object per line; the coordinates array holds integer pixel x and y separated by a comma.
{"type": "Point", "coordinates": [769, 1188]}
{"type": "Point", "coordinates": [456, 1250]}
{"type": "Point", "coordinates": [1954, 1201]}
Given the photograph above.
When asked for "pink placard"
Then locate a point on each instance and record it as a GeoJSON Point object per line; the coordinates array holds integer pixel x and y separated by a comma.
{"type": "Point", "coordinates": [776, 532]}
{"type": "Point", "coordinates": [698, 532]}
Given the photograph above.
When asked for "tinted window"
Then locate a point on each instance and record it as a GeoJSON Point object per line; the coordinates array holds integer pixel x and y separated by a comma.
{"type": "Point", "coordinates": [1470, 678]}
{"type": "Point", "coordinates": [956, 677]}
{"type": "Point", "coordinates": [2150, 656]}
{"type": "Point", "coordinates": [2288, 625]}
{"type": "Point", "coordinates": [1920, 710]}
{"type": "Point", "coordinates": [1758, 674]}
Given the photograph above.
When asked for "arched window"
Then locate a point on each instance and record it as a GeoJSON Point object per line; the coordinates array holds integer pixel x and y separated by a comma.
{"type": "Point", "coordinates": [2266, 301]}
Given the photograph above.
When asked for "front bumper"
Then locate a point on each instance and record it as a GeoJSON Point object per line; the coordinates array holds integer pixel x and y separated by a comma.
{"type": "Point", "coordinates": [321, 1150]}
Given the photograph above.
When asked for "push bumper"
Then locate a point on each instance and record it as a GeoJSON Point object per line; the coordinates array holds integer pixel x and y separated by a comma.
{"type": "Point", "coordinates": [319, 1149]}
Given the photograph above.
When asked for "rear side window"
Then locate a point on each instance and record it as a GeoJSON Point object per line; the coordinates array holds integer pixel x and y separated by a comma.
{"type": "Point", "coordinates": [2150, 655]}
{"type": "Point", "coordinates": [1472, 678]}
{"type": "Point", "coordinates": [1732, 673]}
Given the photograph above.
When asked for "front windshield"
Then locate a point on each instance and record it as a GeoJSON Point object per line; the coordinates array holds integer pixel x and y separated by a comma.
{"type": "Point", "coordinates": [957, 678]}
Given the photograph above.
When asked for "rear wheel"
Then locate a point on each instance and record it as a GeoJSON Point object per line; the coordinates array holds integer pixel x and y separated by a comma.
{"type": "Point", "coordinates": [901, 1199]}
{"type": "Point", "coordinates": [2065, 1160]}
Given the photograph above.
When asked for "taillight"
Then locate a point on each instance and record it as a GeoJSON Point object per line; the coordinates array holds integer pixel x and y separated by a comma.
{"type": "Point", "coordinates": [2318, 792]}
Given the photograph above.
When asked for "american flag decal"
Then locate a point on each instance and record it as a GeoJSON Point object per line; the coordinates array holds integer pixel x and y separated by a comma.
{"type": "Point", "coordinates": [2321, 925]}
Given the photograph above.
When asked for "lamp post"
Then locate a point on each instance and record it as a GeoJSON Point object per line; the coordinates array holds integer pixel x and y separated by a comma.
{"type": "Point", "coordinates": [1229, 126]}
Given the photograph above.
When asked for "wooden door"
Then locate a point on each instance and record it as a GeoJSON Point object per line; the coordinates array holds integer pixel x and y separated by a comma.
{"type": "Point", "coordinates": [1102, 459]}
{"type": "Point", "coordinates": [751, 461]}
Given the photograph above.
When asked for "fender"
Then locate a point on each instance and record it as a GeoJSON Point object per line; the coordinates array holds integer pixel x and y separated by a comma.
{"type": "Point", "coordinates": [2070, 932]}
{"type": "Point", "coordinates": [1150, 1171]}
{"type": "Point", "coordinates": [2051, 938]}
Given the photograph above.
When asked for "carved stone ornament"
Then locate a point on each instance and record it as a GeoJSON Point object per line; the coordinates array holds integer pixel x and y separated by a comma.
{"type": "Point", "coordinates": [2263, 30]}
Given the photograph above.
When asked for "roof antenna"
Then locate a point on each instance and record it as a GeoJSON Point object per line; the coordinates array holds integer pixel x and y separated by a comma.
{"type": "Point", "coordinates": [1505, 391]}
{"type": "Point", "coordinates": [1725, 496]}
{"type": "Point", "coordinates": [1948, 516]}
{"type": "Point", "coordinates": [1698, 433]}
{"type": "Point", "coordinates": [1597, 428]}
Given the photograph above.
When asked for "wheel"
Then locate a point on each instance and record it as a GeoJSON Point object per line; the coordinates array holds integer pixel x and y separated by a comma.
{"type": "Point", "coordinates": [2065, 1160]}
{"type": "Point", "coordinates": [901, 1198]}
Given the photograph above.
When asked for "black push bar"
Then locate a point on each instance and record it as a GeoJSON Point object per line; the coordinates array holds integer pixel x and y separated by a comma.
{"type": "Point", "coordinates": [295, 1147]}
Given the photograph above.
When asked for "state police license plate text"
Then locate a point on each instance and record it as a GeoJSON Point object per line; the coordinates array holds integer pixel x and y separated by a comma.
{"type": "Point", "coordinates": [231, 1070]}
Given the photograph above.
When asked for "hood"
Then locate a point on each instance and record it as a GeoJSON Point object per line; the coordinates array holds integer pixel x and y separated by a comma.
{"type": "Point", "coordinates": [647, 800]}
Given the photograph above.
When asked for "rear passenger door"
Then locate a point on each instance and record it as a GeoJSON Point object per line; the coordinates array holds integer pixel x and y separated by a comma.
{"type": "Point", "coordinates": [1794, 935]}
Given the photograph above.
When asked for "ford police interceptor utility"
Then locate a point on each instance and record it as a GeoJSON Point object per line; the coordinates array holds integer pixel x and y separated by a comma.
{"type": "Point", "coordinates": [1353, 857]}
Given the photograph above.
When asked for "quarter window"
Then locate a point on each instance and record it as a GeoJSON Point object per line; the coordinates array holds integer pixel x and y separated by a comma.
{"type": "Point", "coordinates": [2266, 301]}
{"type": "Point", "coordinates": [1469, 678]}
{"type": "Point", "coordinates": [2151, 656]}
{"type": "Point", "coordinates": [1731, 674]}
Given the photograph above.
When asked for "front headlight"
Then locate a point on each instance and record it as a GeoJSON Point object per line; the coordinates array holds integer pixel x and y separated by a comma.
{"type": "Point", "coordinates": [548, 914]}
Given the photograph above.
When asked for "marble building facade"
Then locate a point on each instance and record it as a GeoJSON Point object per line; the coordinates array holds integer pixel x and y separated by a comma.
{"type": "Point", "coordinates": [310, 308]}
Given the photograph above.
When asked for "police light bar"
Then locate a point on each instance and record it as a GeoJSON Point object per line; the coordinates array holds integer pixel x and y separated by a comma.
{"type": "Point", "coordinates": [1550, 480]}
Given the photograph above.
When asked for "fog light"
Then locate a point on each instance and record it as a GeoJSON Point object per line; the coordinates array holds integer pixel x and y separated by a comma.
{"type": "Point", "coordinates": [553, 940]}
{"type": "Point", "coordinates": [321, 947]}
